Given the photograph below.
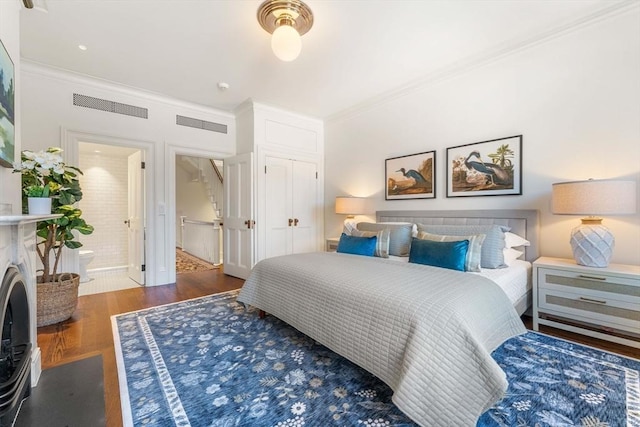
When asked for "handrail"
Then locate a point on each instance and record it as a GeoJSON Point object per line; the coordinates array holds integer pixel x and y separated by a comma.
{"type": "Point", "coordinates": [195, 221]}
{"type": "Point", "coordinates": [216, 170]}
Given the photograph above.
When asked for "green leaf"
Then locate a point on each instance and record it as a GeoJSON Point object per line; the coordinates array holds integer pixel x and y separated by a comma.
{"type": "Point", "coordinates": [72, 244]}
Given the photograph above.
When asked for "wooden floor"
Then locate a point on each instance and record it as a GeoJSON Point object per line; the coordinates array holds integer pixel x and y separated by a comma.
{"type": "Point", "coordinates": [89, 333]}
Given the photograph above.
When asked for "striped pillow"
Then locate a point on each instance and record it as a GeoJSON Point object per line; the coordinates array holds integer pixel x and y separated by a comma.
{"type": "Point", "coordinates": [474, 253]}
{"type": "Point", "coordinates": [399, 235]}
{"type": "Point", "coordinates": [382, 246]}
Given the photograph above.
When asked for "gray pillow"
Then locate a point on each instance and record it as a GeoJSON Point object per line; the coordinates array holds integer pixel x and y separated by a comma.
{"type": "Point", "coordinates": [399, 235]}
{"type": "Point", "coordinates": [491, 254]}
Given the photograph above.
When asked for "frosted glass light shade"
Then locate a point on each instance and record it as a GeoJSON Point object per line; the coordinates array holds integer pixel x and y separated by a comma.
{"type": "Point", "coordinates": [286, 43]}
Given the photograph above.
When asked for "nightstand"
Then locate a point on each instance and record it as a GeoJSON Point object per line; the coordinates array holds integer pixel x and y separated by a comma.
{"type": "Point", "coordinates": [600, 302]}
{"type": "Point", "coordinates": [331, 244]}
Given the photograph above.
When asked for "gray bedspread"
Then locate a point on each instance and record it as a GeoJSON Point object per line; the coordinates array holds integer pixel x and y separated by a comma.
{"type": "Point", "coordinates": [427, 332]}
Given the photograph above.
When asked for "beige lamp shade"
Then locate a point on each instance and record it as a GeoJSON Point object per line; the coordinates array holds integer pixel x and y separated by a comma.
{"type": "Point", "coordinates": [594, 197]}
{"type": "Point", "coordinates": [351, 205]}
{"type": "Point", "coordinates": [591, 242]}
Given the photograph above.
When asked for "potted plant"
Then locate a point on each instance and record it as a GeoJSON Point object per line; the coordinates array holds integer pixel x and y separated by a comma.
{"type": "Point", "coordinates": [44, 174]}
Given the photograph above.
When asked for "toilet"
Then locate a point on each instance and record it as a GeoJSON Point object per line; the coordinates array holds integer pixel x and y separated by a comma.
{"type": "Point", "coordinates": [86, 257]}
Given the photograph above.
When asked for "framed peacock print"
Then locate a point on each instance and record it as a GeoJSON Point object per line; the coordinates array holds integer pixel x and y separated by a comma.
{"type": "Point", "coordinates": [7, 105]}
{"type": "Point", "coordinates": [487, 168]}
{"type": "Point", "coordinates": [411, 177]}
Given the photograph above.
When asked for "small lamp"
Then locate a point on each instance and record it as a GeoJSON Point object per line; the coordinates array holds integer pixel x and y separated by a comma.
{"type": "Point", "coordinates": [592, 243]}
{"type": "Point", "coordinates": [351, 206]}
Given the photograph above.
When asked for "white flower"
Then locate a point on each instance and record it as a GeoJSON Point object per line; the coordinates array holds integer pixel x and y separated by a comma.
{"type": "Point", "coordinates": [298, 408]}
{"type": "Point", "coordinates": [213, 388]}
{"type": "Point", "coordinates": [219, 401]}
{"type": "Point", "coordinates": [296, 377]}
{"type": "Point", "coordinates": [340, 392]}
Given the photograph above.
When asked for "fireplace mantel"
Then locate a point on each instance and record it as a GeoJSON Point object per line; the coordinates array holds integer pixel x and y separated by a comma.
{"type": "Point", "coordinates": [25, 219]}
{"type": "Point", "coordinates": [18, 249]}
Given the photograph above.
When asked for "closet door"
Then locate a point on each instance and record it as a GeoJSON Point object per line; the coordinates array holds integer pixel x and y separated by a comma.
{"type": "Point", "coordinates": [278, 195]}
{"type": "Point", "coordinates": [304, 206]}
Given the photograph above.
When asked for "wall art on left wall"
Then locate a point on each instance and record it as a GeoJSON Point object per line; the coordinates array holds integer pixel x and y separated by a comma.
{"type": "Point", "coordinates": [411, 177]}
{"type": "Point", "coordinates": [7, 105]}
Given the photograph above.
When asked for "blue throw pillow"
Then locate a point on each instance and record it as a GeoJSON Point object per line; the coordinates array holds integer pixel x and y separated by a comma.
{"type": "Point", "coordinates": [439, 254]}
{"type": "Point", "coordinates": [357, 245]}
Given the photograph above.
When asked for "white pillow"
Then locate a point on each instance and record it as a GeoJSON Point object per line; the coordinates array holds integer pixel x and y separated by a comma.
{"type": "Point", "coordinates": [512, 240]}
{"type": "Point", "coordinates": [511, 255]}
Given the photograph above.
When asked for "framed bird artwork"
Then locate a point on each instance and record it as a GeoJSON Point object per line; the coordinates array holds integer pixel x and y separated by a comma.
{"type": "Point", "coordinates": [487, 168]}
{"type": "Point", "coordinates": [411, 177]}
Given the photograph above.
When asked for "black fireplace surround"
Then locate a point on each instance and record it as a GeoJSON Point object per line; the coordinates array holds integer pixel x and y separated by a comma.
{"type": "Point", "coordinates": [15, 349]}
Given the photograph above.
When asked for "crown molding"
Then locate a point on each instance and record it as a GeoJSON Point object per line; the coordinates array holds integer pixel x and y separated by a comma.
{"type": "Point", "coordinates": [487, 57]}
{"type": "Point", "coordinates": [47, 71]}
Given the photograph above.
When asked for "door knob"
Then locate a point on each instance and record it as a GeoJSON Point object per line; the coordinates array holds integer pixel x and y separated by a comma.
{"type": "Point", "coordinates": [295, 222]}
{"type": "Point", "coordinates": [128, 222]}
{"type": "Point", "coordinates": [290, 221]}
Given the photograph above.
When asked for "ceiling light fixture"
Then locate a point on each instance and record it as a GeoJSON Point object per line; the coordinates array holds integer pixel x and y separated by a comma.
{"type": "Point", "coordinates": [287, 20]}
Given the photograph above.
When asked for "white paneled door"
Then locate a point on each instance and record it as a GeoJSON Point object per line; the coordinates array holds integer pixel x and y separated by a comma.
{"type": "Point", "coordinates": [136, 214]}
{"type": "Point", "coordinates": [291, 188]}
{"type": "Point", "coordinates": [238, 217]}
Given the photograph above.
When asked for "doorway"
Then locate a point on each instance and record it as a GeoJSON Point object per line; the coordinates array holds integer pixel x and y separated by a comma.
{"type": "Point", "coordinates": [198, 201]}
{"type": "Point", "coordinates": [112, 257]}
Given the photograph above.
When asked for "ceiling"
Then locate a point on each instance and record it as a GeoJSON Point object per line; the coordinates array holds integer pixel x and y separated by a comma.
{"type": "Point", "coordinates": [357, 51]}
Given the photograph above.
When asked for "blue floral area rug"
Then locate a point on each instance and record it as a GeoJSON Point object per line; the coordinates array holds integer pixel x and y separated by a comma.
{"type": "Point", "coordinates": [211, 362]}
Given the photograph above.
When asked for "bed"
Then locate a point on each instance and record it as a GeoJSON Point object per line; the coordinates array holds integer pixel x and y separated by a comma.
{"type": "Point", "coordinates": [427, 332]}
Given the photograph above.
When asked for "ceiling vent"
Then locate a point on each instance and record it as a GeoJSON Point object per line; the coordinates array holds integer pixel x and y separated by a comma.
{"type": "Point", "coordinates": [110, 106]}
{"type": "Point", "coordinates": [201, 124]}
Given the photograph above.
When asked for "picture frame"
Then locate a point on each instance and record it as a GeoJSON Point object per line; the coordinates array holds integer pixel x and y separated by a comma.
{"type": "Point", "coordinates": [486, 168]}
{"type": "Point", "coordinates": [7, 109]}
{"type": "Point", "coordinates": [411, 177]}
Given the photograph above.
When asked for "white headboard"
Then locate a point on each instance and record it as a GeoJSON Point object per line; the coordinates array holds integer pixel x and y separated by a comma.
{"type": "Point", "coordinates": [524, 222]}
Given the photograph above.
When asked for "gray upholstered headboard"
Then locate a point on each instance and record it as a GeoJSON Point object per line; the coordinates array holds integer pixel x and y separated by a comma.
{"type": "Point", "coordinates": [524, 222]}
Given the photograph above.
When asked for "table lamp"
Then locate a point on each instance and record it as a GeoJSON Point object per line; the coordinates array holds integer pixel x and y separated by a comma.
{"type": "Point", "coordinates": [591, 242]}
{"type": "Point", "coordinates": [351, 206]}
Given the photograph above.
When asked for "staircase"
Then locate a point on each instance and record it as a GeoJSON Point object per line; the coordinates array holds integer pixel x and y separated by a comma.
{"type": "Point", "coordinates": [209, 172]}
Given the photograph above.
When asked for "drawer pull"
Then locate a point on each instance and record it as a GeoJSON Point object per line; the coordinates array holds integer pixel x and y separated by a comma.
{"type": "Point", "coordinates": [584, 276]}
{"type": "Point", "coordinates": [596, 301]}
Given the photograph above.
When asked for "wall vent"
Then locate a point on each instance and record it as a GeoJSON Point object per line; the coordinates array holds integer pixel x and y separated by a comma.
{"type": "Point", "coordinates": [201, 124]}
{"type": "Point", "coordinates": [110, 106]}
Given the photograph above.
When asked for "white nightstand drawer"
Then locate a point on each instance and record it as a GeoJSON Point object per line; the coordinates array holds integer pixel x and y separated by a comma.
{"type": "Point", "coordinates": [591, 285]}
{"type": "Point", "coordinates": [601, 302]}
{"type": "Point", "coordinates": [609, 312]}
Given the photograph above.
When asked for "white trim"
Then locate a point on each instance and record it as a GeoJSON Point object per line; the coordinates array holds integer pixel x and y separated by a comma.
{"type": "Point", "coordinates": [70, 140]}
{"type": "Point", "coordinates": [171, 152]}
{"type": "Point", "coordinates": [125, 404]}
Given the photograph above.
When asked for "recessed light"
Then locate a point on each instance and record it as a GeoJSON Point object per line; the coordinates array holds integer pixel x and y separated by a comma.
{"type": "Point", "coordinates": [82, 47]}
{"type": "Point", "coordinates": [223, 86]}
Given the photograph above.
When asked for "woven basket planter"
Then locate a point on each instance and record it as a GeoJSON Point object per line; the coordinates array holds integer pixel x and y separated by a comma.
{"type": "Point", "coordinates": [57, 300]}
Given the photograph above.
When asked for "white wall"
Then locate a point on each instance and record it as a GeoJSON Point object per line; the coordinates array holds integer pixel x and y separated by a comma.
{"type": "Point", "coordinates": [10, 197]}
{"type": "Point", "coordinates": [104, 205]}
{"type": "Point", "coordinates": [192, 200]}
{"type": "Point", "coordinates": [575, 98]}
{"type": "Point", "coordinates": [51, 119]}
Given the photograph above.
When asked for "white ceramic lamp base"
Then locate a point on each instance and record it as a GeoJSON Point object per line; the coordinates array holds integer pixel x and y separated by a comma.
{"type": "Point", "coordinates": [350, 224]}
{"type": "Point", "coordinates": [592, 244]}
